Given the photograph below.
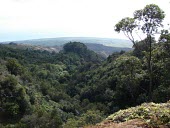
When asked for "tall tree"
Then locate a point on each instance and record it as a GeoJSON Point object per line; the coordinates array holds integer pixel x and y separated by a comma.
{"type": "Point", "coordinates": [127, 25]}
{"type": "Point", "coordinates": [147, 20]}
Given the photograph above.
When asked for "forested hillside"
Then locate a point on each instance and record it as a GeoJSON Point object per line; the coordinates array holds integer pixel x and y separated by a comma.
{"type": "Point", "coordinates": [79, 88]}
{"type": "Point", "coordinates": [76, 87]}
{"type": "Point", "coordinates": [35, 85]}
{"type": "Point", "coordinates": [100, 49]}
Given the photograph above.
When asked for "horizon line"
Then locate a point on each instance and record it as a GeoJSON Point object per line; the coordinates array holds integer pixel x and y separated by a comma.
{"type": "Point", "coordinates": [62, 37]}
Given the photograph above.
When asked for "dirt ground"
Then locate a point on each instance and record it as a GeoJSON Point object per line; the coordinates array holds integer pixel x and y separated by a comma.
{"type": "Point", "coordinates": [135, 123]}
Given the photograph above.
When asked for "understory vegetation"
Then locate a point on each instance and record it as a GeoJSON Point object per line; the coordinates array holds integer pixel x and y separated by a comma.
{"type": "Point", "coordinates": [153, 115]}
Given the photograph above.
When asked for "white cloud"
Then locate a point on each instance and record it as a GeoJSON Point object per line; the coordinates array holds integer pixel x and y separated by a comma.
{"type": "Point", "coordinates": [72, 17]}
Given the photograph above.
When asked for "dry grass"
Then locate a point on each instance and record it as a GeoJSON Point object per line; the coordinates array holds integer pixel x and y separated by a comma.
{"type": "Point", "coordinates": [147, 115]}
{"type": "Point", "coordinates": [135, 123]}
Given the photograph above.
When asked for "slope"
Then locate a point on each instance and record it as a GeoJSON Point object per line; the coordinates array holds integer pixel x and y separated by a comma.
{"type": "Point", "coordinates": [147, 115]}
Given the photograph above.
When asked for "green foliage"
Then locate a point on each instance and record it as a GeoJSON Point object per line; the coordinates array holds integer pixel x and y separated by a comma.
{"type": "Point", "coordinates": [152, 17]}
{"type": "Point", "coordinates": [75, 47]}
{"type": "Point", "coordinates": [76, 87]}
{"type": "Point", "coordinates": [81, 50]}
{"type": "Point", "coordinates": [142, 48]}
{"type": "Point", "coordinates": [148, 20]}
{"type": "Point", "coordinates": [42, 120]}
{"type": "Point", "coordinates": [153, 114]}
{"type": "Point", "coordinates": [88, 118]}
{"type": "Point", "coordinates": [13, 101]}
{"type": "Point", "coordinates": [126, 25]}
{"type": "Point", "coordinates": [128, 74]}
{"type": "Point", "coordinates": [14, 67]}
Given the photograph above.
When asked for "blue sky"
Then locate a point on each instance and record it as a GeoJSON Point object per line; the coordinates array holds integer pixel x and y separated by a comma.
{"type": "Point", "coordinates": [32, 19]}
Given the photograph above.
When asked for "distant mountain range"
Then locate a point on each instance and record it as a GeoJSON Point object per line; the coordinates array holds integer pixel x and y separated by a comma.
{"type": "Point", "coordinates": [63, 40]}
{"type": "Point", "coordinates": [102, 46]}
{"type": "Point", "coordinates": [105, 51]}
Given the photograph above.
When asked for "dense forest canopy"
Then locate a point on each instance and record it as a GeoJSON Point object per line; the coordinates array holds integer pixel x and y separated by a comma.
{"type": "Point", "coordinates": [77, 87]}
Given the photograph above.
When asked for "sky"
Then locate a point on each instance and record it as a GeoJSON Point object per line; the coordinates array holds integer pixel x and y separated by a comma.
{"type": "Point", "coordinates": [33, 19]}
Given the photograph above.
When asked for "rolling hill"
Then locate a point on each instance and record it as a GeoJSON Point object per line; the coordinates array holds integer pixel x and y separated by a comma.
{"type": "Point", "coordinates": [105, 51]}
{"type": "Point", "coordinates": [102, 46]}
{"type": "Point", "coordinates": [63, 40]}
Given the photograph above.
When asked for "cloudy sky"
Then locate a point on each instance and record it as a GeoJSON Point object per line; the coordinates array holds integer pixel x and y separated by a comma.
{"type": "Point", "coordinates": [32, 19]}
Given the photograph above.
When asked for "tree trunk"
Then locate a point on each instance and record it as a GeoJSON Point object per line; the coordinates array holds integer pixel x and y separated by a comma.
{"type": "Point", "coordinates": [150, 68]}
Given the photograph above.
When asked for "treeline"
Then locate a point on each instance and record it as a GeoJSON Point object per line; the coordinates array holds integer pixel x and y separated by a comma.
{"type": "Point", "coordinates": [77, 87]}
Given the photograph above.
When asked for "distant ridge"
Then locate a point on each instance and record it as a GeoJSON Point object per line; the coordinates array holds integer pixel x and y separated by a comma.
{"type": "Point", "coordinates": [63, 40]}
